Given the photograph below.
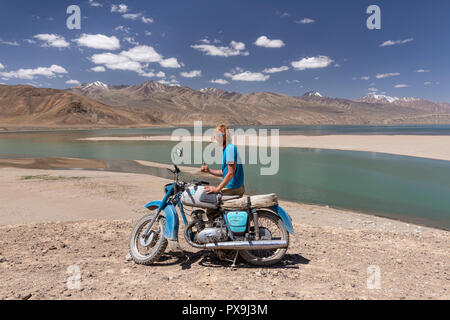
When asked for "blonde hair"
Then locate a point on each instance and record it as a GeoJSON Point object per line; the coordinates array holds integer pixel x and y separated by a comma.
{"type": "Point", "coordinates": [222, 128]}
{"type": "Point", "coordinates": [225, 129]}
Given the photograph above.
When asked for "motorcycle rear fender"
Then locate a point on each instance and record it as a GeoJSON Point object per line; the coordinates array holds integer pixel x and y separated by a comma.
{"type": "Point", "coordinates": [284, 216]}
{"type": "Point", "coordinates": [172, 223]}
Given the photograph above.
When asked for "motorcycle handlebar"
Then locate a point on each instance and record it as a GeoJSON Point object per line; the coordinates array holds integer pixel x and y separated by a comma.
{"type": "Point", "coordinates": [200, 182]}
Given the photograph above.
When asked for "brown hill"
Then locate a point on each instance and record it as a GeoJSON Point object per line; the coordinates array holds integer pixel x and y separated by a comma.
{"type": "Point", "coordinates": [415, 103]}
{"type": "Point", "coordinates": [100, 105]}
{"type": "Point", "coordinates": [29, 106]}
{"type": "Point", "coordinates": [183, 105]}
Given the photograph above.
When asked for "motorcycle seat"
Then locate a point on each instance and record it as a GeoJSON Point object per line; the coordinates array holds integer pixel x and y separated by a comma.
{"type": "Point", "coordinates": [230, 197]}
{"type": "Point", "coordinates": [258, 201]}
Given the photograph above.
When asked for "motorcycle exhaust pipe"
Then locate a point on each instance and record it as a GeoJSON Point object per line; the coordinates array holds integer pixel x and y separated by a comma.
{"type": "Point", "coordinates": [245, 245]}
{"type": "Point", "coordinates": [235, 245]}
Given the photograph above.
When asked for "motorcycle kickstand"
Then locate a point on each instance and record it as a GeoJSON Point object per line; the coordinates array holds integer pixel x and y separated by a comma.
{"type": "Point", "coordinates": [180, 248]}
{"type": "Point", "coordinates": [235, 259]}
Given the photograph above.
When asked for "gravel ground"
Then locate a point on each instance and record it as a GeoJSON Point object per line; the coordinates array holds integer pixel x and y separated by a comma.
{"type": "Point", "coordinates": [335, 254]}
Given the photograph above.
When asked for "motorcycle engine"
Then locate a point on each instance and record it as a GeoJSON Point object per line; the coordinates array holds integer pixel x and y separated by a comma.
{"type": "Point", "coordinates": [216, 233]}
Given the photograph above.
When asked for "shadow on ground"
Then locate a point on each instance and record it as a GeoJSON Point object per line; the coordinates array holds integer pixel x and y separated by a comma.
{"type": "Point", "coordinates": [211, 260]}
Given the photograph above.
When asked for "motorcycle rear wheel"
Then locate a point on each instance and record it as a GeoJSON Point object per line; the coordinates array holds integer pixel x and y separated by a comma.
{"type": "Point", "coordinates": [147, 253]}
{"type": "Point", "coordinates": [274, 225]}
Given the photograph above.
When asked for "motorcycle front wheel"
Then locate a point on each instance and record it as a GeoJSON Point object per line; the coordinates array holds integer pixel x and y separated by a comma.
{"type": "Point", "coordinates": [148, 250]}
{"type": "Point", "coordinates": [271, 228]}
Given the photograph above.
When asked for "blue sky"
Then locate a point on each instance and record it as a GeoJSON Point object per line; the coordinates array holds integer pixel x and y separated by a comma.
{"type": "Point", "coordinates": [255, 45]}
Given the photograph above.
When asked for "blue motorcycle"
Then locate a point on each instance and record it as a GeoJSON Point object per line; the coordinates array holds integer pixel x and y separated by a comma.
{"type": "Point", "coordinates": [256, 227]}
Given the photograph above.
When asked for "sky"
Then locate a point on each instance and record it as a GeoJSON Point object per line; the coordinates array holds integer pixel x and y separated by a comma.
{"type": "Point", "coordinates": [289, 47]}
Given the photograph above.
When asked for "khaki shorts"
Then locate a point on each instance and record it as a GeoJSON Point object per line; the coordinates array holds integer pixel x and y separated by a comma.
{"type": "Point", "coordinates": [237, 191]}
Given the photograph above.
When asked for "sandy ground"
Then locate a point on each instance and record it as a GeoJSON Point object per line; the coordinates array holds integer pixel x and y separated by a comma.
{"type": "Point", "coordinates": [54, 223]}
{"type": "Point", "coordinates": [433, 147]}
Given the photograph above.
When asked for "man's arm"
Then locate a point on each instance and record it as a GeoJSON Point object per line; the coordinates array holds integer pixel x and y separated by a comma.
{"type": "Point", "coordinates": [225, 181]}
{"type": "Point", "coordinates": [217, 173]}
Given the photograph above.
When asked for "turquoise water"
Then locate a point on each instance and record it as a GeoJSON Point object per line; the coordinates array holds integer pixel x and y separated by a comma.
{"type": "Point", "coordinates": [406, 188]}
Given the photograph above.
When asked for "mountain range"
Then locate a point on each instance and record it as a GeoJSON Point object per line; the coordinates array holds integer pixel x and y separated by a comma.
{"type": "Point", "coordinates": [100, 105]}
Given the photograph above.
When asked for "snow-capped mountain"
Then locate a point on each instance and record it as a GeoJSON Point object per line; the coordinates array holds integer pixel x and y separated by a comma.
{"type": "Point", "coordinates": [312, 94]}
{"type": "Point", "coordinates": [415, 103]}
{"type": "Point", "coordinates": [89, 88]}
{"type": "Point", "coordinates": [96, 85]}
{"type": "Point", "coordinates": [380, 98]}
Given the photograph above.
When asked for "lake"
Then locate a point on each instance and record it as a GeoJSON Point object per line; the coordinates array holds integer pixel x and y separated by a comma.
{"type": "Point", "coordinates": [405, 188]}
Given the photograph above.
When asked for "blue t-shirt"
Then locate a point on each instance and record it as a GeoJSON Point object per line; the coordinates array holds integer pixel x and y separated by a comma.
{"type": "Point", "coordinates": [230, 155]}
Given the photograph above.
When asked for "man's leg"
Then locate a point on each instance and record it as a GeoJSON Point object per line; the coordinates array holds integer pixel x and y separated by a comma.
{"type": "Point", "coordinates": [237, 191]}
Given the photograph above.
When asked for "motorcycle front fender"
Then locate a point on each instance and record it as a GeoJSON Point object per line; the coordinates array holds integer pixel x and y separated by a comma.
{"type": "Point", "coordinates": [172, 222]}
{"type": "Point", "coordinates": [284, 216]}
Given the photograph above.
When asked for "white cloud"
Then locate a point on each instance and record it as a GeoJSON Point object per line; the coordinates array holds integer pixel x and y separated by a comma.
{"type": "Point", "coordinates": [402, 85]}
{"type": "Point", "coordinates": [373, 89]}
{"type": "Point", "coordinates": [263, 41]}
{"type": "Point", "coordinates": [219, 81]}
{"type": "Point", "coordinates": [234, 49]}
{"type": "Point", "coordinates": [146, 20]}
{"type": "Point", "coordinates": [131, 40]}
{"type": "Point", "coordinates": [148, 33]}
{"type": "Point", "coordinates": [98, 69]}
{"type": "Point", "coordinates": [121, 8]}
{"type": "Point", "coordinates": [427, 83]}
{"type": "Point", "coordinates": [170, 63]}
{"type": "Point", "coordinates": [135, 59]}
{"type": "Point", "coordinates": [306, 21]}
{"type": "Point", "coordinates": [191, 74]}
{"type": "Point", "coordinates": [397, 42]}
{"type": "Point", "coordinates": [142, 54]}
{"type": "Point", "coordinates": [123, 29]}
{"type": "Point", "coordinates": [132, 16]}
{"type": "Point", "coordinates": [275, 70]}
{"type": "Point", "coordinates": [73, 82]}
{"type": "Point", "coordinates": [2, 66]}
{"type": "Point", "coordinates": [92, 3]}
{"type": "Point", "coordinates": [312, 63]}
{"type": "Point", "coordinates": [387, 75]}
{"type": "Point", "coordinates": [116, 62]}
{"type": "Point", "coordinates": [422, 70]}
{"type": "Point", "coordinates": [247, 76]}
{"type": "Point", "coordinates": [98, 41]}
{"type": "Point", "coordinates": [52, 40]}
{"type": "Point", "coordinates": [30, 74]}
{"type": "Point", "coordinates": [152, 74]}
{"type": "Point", "coordinates": [365, 78]}
{"type": "Point", "coordinates": [172, 83]}
{"type": "Point", "coordinates": [9, 43]}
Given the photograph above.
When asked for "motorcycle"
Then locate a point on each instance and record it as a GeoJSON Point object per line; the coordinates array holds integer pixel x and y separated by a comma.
{"type": "Point", "coordinates": [257, 228]}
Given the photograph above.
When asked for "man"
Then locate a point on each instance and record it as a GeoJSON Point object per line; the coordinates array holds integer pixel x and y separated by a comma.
{"type": "Point", "coordinates": [232, 172]}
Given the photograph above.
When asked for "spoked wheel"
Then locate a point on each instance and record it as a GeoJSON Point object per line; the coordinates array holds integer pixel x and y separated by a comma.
{"type": "Point", "coordinates": [271, 228]}
{"type": "Point", "coordinates": [146, 250]}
